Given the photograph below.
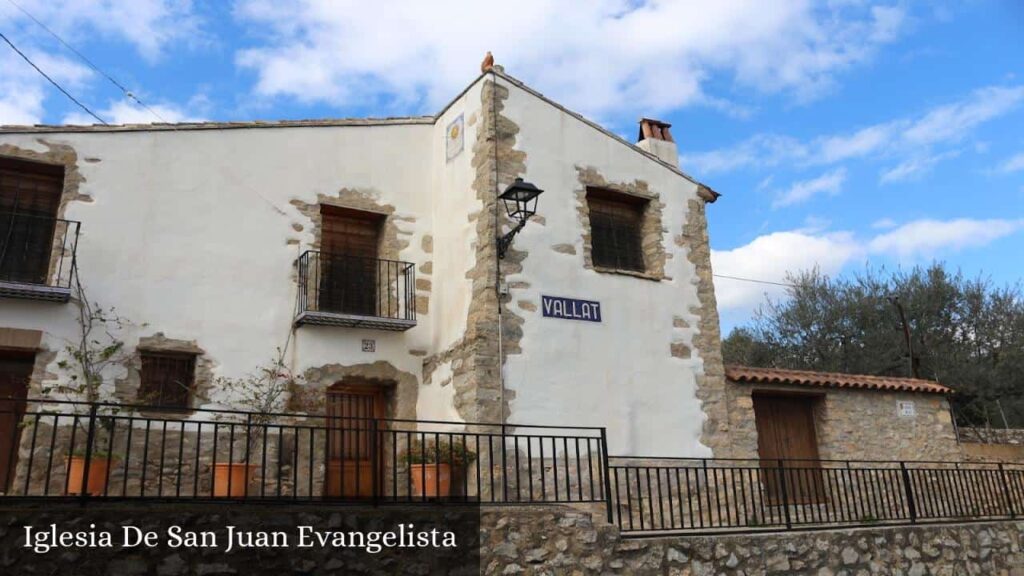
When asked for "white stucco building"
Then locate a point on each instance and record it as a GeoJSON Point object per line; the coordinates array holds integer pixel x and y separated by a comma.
{"type": "Point", "coordinates": [367, 249]}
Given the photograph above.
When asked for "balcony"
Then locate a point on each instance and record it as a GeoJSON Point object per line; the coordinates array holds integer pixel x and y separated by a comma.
{"type": "Point", "coordinates": [355, 292]}
{"type": "Point", "coordinates": [37, 256]}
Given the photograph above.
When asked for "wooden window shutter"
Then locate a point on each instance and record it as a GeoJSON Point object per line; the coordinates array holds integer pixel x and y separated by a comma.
{"type": "Point", "coordinates": [616, 227]}
{"type": "Point", "coordinates": [29, 199]}
{"type": "Point", "coordinates": [167, 379]}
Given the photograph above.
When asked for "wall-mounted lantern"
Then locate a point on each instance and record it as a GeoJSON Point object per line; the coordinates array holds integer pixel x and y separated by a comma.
{"type": "Point", "coordinates": [520, 200]}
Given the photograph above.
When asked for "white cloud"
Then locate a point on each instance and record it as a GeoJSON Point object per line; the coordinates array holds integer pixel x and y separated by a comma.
{"type": "Point", "coordinates": [884, 223]}
{"type": "Point", "coordinates": [23, 90]}
{"type": "Point", "coordinates": [147, 25]}
{"type": "Point", "coordinates": [927, 237]}
{"type": "Point", "coordinates": [1014, 163]}
{"type": "Point", "coordinates": [592, 55]}
{"type": "Point", "coordinates": [126, 112]}
{"type": "Point", "coordinates": [770, 257]}
{"type": "Point", "coordinates": [915, 167]}
{"type": "Point", "coordinates": [758, 151]}
{"type": "Point", "coordinates": [954, 121]}
{"type": "Point", "coordinates": [861, 143]}
{"type": "Point", "coordinates": [828, 183]}
{"type": "Point", "coordinates": [912, 138]}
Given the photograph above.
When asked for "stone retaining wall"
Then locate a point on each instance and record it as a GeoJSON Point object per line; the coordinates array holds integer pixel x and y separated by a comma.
{"type": "Point", "coordinates": [992, 435]}
{"type": "Point", "coordinates": [575, 542]}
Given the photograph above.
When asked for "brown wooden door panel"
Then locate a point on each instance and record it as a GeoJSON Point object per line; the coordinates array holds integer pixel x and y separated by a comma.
{"type": "Point", "coordinates": [353, 450]}
{"type": "Point", "coordinates": [785, 432]}
{"type": "Point", "coordinates": [348, 261]}
{"type": "Point", "coordinates": [15, 371]}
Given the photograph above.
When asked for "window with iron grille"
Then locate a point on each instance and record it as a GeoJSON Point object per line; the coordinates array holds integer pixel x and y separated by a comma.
{"type": "Point", "coordinates": [167, 379]}
{"type": "Point", "coordinates": [616, 228]}
{"type": "Point", "coordinates": [29, 198]}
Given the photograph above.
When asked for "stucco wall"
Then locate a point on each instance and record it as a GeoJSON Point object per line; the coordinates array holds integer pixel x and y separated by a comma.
{"type": "Point", "coordinates": [193, 234]}
{"type": "Point", "coordinates": [619, 373]}
{"type": "Point", "coordinates": [855, 424]}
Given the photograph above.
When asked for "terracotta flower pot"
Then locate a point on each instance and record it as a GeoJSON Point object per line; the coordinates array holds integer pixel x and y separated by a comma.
{"type": "Point", "coordinates": [235, 476]}
{"type": "Point", "coordinates": [431, 480]}
{"type": "Point", "coordinates": [350, 478]}
{"type": "Point", "coordinates": [97, 481]}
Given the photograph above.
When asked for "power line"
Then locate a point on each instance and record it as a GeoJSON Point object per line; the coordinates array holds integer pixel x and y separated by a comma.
{"type": "Point", "coordinates": [756, 281]}
{"type": "Point", "coordinates": [128, 93]}
{"type": "Point", "coordinates": [51, 80]}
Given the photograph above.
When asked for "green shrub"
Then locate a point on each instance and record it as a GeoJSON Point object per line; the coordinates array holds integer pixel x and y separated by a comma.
{"type": "Point", "coordinates": [440, 451]}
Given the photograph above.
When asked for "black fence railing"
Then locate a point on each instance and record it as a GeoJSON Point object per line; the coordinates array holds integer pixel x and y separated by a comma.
{"type": "Point", "coordinates": [703, 496]}
{"type": "Point", "coordinates": [54, 449]}
{"type": "Point", "coordinates": [66, 449]}
{"type": "Point", "coordinates": [37, 255]}
{"type": "Point", "coordinates": [342, 290]}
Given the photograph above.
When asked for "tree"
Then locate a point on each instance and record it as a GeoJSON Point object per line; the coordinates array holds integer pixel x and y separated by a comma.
{"type": "Point", "coordinates": [966, 333]}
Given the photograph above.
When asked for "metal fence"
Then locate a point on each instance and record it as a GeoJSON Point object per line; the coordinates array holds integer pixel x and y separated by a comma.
{"type": "Point", "coordinates": [97, 451]}
{"type": "Point", "coordinates": [703, 496]}
{"type": "Point", "coordinates": [101, 451]}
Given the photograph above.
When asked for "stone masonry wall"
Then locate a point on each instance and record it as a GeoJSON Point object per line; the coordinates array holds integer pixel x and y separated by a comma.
{"type": "Point", "coordinates": [712, 389]}
{"type": "Point", "coordinates": [855, 425]}
{"type": "Point", "coordinates": [992, 435]}
{"type": "Point", "coordinates": [575, 542]}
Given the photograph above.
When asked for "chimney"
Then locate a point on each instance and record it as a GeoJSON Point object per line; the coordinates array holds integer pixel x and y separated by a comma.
{"type": "Point", "coordinates": [654, 137]}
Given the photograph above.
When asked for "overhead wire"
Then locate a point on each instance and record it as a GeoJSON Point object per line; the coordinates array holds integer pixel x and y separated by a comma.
{"type": "Point", "coordinates": [127, 93]}
{"type": "Point", "coordinates": [51, 80]}
{"type": "Point", "coordinates": [756, 281]}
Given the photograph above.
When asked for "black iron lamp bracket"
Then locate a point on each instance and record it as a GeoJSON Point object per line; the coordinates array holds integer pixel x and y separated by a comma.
{"type": "Point", "coordinates": [505, 241]}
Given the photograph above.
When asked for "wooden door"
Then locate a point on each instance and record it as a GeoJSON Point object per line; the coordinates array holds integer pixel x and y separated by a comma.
{"type": "Point", "coordinates": [348, 261]}
{"type": "Point", "coordinates": [29, 198]}
{"type": "Point", "coordinates": [354, 449]}
{"type": "Point", "coordinates": [15, 371]}
{"type": "Point", "coordinates": [785, 432]}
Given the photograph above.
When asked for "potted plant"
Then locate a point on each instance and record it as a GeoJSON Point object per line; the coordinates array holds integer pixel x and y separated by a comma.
{"type": "Point", "coordinates": [437, 467]}
{"type": "Point", "coordinates": [95, 349]}
{"type": "Point", "coordinates": [261, 395]}
{"type": "Point", "coordinates": [100, 462]}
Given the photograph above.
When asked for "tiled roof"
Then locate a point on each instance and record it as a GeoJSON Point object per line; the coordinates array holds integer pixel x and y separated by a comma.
{"type": "Point", "coordinates": [750, 375]}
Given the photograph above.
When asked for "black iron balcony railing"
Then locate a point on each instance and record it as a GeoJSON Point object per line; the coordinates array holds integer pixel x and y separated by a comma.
{"type": "Point", "coordinates": [37, 256]}
{"type": "Point", "coordinates": [61, 449]}
{"type": "Point", "coordinates": [340, 290]}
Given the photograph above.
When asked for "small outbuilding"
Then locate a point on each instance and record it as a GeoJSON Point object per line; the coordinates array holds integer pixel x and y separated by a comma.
{"type": "Point", "coordinates": [795, 414]}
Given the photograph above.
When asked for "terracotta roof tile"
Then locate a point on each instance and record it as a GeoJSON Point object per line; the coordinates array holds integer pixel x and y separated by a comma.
{"type": "Point", "coordinates": [750, 375]}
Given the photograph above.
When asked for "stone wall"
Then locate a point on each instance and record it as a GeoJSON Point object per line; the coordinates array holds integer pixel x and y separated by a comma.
{"type": "Point", "coordinates": [986, 452]}
{"type": "Point", "coordinates": [992, 435]}
{"type": "Point", "coordinates": [853, 424]}
{"type": "Point", "coordinates": [712, 388]}
{"type": "Point", "coordinates": [574, 542]}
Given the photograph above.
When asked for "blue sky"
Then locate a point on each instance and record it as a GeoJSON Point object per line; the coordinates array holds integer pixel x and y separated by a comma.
{"type": "Point", "coordinates": [841, 133]}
